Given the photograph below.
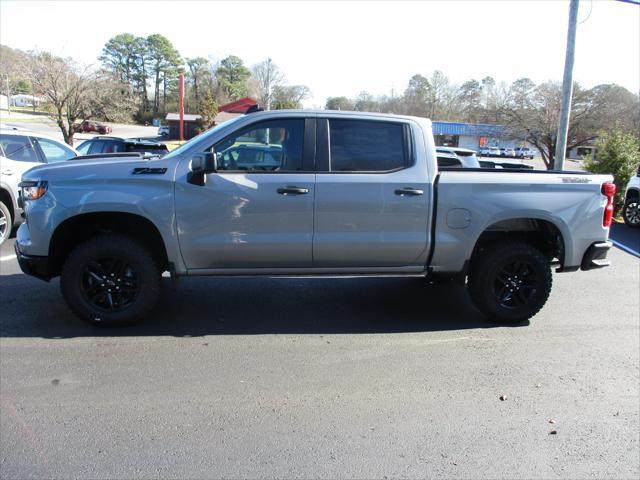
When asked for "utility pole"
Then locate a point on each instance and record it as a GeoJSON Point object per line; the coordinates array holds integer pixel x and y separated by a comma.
{"type": "Point", "coordinates": [268, 102]}
{"type": "Point", "coordinates": [181, 95]}
{"type": "Point", "coordinates": [567, 88]}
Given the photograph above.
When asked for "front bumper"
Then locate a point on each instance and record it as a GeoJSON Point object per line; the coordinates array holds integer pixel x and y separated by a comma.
{"type": "Point", "coordinates": [33, 265]}
{"type": "Point", "coordinates": [596, 256]}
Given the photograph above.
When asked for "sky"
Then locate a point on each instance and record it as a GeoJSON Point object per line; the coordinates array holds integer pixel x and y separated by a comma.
{"type": "Point", "coordinates": [343, 48]}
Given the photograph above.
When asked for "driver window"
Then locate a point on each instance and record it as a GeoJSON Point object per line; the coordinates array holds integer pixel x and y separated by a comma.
{"type": "Point", "coordinates": [271, 146]}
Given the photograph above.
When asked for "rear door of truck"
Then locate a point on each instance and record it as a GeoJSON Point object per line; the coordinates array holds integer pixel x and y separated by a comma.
{"type": "Point", "coordinates": [373, 196]}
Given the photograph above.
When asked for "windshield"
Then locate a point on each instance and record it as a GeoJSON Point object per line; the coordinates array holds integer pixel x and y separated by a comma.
{"type": "Point", "coordinates": [182, 148]}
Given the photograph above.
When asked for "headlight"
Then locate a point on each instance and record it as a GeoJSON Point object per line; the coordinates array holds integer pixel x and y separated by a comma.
{"type": "Point", "coordinates": [33, 190]}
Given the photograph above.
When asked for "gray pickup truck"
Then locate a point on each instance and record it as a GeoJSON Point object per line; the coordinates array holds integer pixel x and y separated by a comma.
{"type": "Point", "coordinates": [307, 193]}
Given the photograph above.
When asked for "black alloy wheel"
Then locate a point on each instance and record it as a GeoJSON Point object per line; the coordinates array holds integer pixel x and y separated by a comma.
{"type": "Point", "coordinates": [515, 284]}
{"type": "Point", "coordinates": [631, 213]}
{"type": "Point", "coordinates": [110, 284]}
{"type": "Point", "coordinates": [111, 279]}
{"type": "Point", "coordinates": [509, 282]}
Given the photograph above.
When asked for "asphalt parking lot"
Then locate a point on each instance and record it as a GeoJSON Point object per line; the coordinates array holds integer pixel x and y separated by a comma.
{"type": "Point", "coordinates": [324, 378]}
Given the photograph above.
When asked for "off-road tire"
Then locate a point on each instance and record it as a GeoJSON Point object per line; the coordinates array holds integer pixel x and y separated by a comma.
{"type": "Point", "coordinates": [510, 282]}
{"type": "Point", "coordinates": [97, 257]}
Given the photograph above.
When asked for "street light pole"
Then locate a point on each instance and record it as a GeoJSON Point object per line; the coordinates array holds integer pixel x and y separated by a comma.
{"type": "Point", "coordinates": [567, 88]}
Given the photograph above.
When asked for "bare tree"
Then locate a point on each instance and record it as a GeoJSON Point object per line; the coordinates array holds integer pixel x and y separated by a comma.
{"type": "Point", "coordinates": [64, 84]}
{"type": "Point", "coordinates": [267, 77]}
{"type": "Point", "coordinates": [199, 69]}
{"type": "Point", "coordinates": [290, 96]}
{"type": "Point", "coordinates": [538, 115]}
{"type": "Point", "coordinates": [109, 99]}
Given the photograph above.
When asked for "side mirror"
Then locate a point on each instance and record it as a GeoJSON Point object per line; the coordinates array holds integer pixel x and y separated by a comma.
{"type": "Point", "coordinates": [201, 165]}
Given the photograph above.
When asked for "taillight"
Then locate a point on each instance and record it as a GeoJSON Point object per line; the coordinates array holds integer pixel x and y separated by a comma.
{"type": "Point", "coordinates": [609, 191]}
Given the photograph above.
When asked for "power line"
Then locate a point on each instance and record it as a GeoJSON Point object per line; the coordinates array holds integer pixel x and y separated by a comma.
{"type": "Point", "coordinates": [590, 10]}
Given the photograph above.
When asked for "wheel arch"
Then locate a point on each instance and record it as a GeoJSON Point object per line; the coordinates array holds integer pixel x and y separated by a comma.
{"type": "Point", "coordinates": [542, 233]}
{"type": "Point", "coordinates": [76, 229]}
{"type": "Point", "coordinates": [632, 193]}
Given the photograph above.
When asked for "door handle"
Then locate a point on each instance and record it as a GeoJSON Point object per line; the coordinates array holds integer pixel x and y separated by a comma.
{"type": "Point", "coordinates": [409, 191]}
{"type": "Point", "coordinates": [6, 171]}
{"type": "Point", "coordinates": [290, 190]}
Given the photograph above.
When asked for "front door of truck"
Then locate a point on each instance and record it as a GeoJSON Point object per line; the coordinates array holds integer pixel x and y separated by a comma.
{"type": "Point", "coordinates": [256, 211]}
{"type": "Point", "coordinates": [372, 195]}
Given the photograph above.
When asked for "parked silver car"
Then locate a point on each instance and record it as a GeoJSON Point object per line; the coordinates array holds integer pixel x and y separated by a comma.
{"type": "Point", "coordinates": [21, 150]}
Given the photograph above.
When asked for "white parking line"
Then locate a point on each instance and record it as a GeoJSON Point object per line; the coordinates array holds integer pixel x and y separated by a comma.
{"type": "Point", "coordinates": [625, 248]}
{"type": "Point", "coordinates": [7, 257]}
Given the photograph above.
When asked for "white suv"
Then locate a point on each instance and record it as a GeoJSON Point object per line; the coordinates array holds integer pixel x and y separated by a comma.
{"type": "Point", "coordinates": [21, 150]}
{"type": "Point", "coordinates": [524, 152]}
{"type": "Point", "coordinates": [631, 209]}
{"type": "Point", "coordinates": [467, 157]}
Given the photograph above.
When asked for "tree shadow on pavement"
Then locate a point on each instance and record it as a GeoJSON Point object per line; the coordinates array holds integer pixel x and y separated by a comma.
{"type": "Point", "coordinates": [250, 306]}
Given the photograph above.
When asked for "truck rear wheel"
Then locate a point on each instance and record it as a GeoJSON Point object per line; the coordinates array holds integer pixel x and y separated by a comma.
{"type": "Point", "coordinates": [510, 282]}
{"type": "Point", "coordinates": [110, 280]}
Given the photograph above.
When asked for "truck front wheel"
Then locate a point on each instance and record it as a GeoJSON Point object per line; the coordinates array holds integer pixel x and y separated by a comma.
{"type": "Point", "coordinates": [510, 282]}
{"type": "Point", "coordinates": [110, 280]}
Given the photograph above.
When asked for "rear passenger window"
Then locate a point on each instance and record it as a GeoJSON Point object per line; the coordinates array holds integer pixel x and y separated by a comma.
{"type": "Point", "coordinates": [96, 147]}
{"type": "Point", "coordinates": [449, 162]}
{"type": "Point", "coordinates": [53, 151]}
{"type": "Point", "coordinates": [366, 146]}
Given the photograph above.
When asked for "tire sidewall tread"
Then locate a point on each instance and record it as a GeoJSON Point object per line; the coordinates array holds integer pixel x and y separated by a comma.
{"type": "Point", "coordinates": [145, 265]}
{"type": "Point", "coordinates": [482, 276]}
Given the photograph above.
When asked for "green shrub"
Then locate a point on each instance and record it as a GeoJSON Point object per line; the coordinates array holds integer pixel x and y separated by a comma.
{"type": "Point", "coordinates": [144, 117]}
{"type": "Point", "coordinates": [618, 154]}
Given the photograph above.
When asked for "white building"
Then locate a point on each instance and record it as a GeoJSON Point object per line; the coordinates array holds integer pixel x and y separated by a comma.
{"type": "Point", "coordinates": [22, 100]}
{"type": "Point", "coordinates": [4, 102]}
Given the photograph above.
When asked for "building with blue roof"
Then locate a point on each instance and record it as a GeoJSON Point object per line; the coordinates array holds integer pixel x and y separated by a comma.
{"type": "Point", "coordinates": [473, 135]}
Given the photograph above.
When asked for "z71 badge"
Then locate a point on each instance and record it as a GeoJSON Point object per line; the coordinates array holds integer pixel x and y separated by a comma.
{"type": "Point", "coordinates": [149, 171]}
{"type": "Point", "coordinates": [575, 179]}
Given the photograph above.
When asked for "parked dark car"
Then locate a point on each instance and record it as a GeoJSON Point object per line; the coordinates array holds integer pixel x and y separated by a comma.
{"type": "Point", "coordinates": [104, 145]}
{"type": "Point", "coordinates": [89, 126]}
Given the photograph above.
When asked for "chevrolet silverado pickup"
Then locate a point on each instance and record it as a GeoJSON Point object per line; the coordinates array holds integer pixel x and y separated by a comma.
{"type": "Point", "coordinates": [307, 193]}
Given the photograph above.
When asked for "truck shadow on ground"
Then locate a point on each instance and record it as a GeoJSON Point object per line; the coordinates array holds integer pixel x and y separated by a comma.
{"type": "Point", "coordinates": [251, 306]}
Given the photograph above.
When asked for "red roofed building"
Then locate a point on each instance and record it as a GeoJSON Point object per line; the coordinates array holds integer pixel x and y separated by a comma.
{"type": "Point", "coordinates": [239, 106]}
{"type": "Point", "coordinates": [225, 112]}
